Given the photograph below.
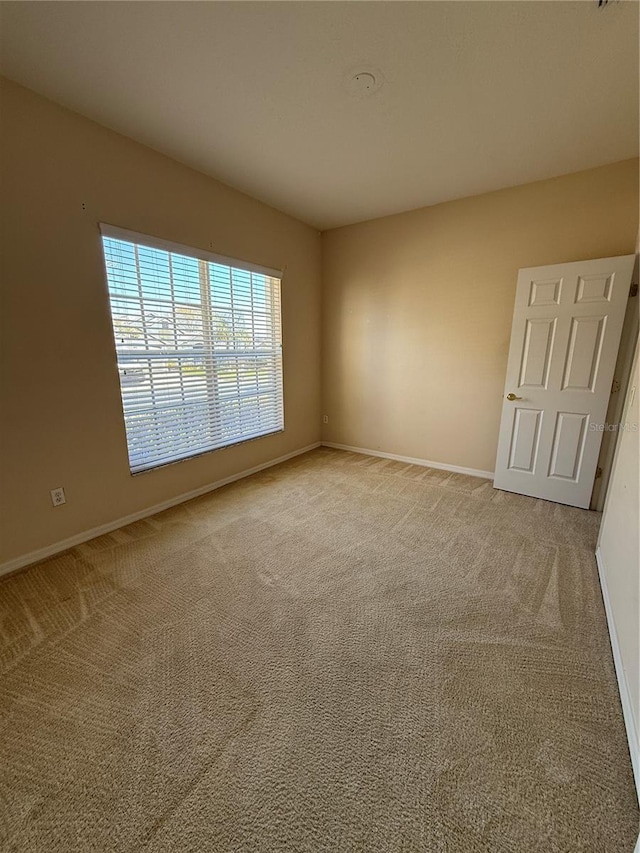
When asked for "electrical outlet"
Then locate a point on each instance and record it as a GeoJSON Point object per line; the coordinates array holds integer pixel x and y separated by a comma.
{"type": "Point", "coordinates": [325, 419]}
{"type": "Point", "coordinates": [58, 497]}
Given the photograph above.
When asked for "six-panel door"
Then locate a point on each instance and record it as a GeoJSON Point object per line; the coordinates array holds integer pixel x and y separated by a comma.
{"type": "Point", "coordinates": [564, 341]}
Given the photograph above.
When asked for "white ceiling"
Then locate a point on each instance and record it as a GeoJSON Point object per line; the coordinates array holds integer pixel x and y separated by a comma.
{"type": "Point", "coordinates": [476, 95]}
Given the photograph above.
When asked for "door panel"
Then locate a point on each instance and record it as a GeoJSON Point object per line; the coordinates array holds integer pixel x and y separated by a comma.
{"type": "Point", "coordinates": [536, 353]}
{"type": "Point", "coordinates": [524, 441]}
{"type": "Point", "coordinates": [594, 288]}
{"type": "Point", "coordinates": [567, 449]}
{"type": "Point", "coordinates": [564, 341]}
{"type": "Point", "coordinates": [583, 354]}
{"type": "Point", "coordinates": [545, 292]}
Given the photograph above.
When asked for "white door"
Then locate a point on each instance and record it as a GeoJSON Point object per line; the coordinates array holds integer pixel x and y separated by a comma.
{"type": "Point", "coordinates": [564, 342]}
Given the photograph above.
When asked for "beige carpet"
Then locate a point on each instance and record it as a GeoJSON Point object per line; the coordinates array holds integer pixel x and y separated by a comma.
{"type": "Point", "coordinates": [339, 654]}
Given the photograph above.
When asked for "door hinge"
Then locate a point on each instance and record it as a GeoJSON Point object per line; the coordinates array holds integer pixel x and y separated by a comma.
{"type": "Point", "coordinates": [615, 386]}
{"type": "Point", "coordinates": [598, 473]}
{"type": "Point", "coordinates": [634, 291]}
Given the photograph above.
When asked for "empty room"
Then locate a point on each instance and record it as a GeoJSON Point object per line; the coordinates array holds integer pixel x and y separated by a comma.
{"type": "Point", "coordinates": [319, 427]}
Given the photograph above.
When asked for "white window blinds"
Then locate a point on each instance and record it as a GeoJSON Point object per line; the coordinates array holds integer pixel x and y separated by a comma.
{"type": "Point", "coordinates": [199, 348]}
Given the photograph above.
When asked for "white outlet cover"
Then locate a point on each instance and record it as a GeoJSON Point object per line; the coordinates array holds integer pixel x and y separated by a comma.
{"type": "Point", "coordinates": [58, 496]}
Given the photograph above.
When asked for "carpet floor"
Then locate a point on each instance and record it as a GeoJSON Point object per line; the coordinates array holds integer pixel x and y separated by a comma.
{"type": "Point", "coordinates": [342, 653]}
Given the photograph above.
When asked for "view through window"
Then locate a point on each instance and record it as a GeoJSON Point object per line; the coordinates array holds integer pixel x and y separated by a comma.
{"type": "Point", "coordinates": [199, 349]}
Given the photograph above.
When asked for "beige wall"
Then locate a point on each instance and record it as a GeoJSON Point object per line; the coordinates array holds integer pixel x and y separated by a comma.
{"type": "Point", "coordinates": [417, 312]}
{"type": "Point", "coordinates": [618, 552]}
{"type": "Point", "coordinates": [417, 308]}
{"type": "Point", "coordinates": [61, 417]}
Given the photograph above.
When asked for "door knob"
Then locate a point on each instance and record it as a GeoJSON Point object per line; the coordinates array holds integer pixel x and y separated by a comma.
{"type": "Point", "coordinates": [512, 396]}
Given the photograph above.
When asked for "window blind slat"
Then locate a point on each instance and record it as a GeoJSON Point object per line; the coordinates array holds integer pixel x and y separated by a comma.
{"type": "Point", "coordinates": [198, 346]}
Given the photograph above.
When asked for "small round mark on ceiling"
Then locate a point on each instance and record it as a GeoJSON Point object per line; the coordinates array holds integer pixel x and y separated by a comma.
{"type": "Point", "coordinates": [363, 83]}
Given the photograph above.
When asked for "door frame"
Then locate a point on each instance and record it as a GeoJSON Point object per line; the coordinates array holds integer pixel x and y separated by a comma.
{"type": "Point", "coordinates": [622, 376]}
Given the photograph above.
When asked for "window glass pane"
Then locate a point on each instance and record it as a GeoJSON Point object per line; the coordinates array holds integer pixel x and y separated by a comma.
{"type": "Point", "coordinates": [198, 348]}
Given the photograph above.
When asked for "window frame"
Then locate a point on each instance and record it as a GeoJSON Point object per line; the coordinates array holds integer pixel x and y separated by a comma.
{"type": "Point", "coordinates": [202, 256]}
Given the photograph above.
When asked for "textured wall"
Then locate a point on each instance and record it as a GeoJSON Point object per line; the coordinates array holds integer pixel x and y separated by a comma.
{"type": "Point", "coordinates": [418, 308]}
{"type": "Point", "coordinates": [61, 415]}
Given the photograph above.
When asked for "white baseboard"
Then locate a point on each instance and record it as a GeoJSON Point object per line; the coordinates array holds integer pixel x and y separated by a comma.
{"type": "Point", "coordinates": [426, 463]}
{"type": "Point", "coordinates": [79, 538]}
{"type": "Point", "coordinates": [625, 695]}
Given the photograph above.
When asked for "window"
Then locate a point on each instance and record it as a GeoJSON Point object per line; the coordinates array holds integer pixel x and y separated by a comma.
{"type": "Point", "coordinates": [198, 343]}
